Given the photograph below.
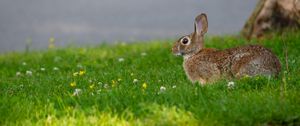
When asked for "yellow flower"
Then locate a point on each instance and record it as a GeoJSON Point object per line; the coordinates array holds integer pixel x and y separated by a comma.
{"type": "Point", "coordinates": [113, 83]}
{"type": "Point", "coordinates": [81, 72]}
{"type": "Point", "coordinates": [92, 86]}
{"type": "Point", "coordinates": [75, 74]}
{"type": "Point", "coordinates": [73, 84]}
{"type": "Point", "coordinates": [144, 85]}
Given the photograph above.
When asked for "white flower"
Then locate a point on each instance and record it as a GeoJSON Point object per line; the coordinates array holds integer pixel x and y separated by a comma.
{"type": "Point", "coordinates": [121, 59]}
{"type": "Point", "coordinates": [162, 89]}
{"type": "Point", "coordinates": [43, 69]}
{"type": "Point", "coordinates": [174, 86]}
{"type": "Point", "coordinates": [77, 92]}
{"type": "Point", "coordinates": [55, 69]}
{"type": "Point", "coordinates": [230, 85]}
{"type": "Point", "coordinates": [143, 54]}
{"type": "Point", "coordinates": [135, 80]}
{"type": "Point", "coordinates": [75, 74]}
{"type": "Point", "coordinates": [105, 86]}
{"type": "Point", "coordinates": [24, 63]}
{"type": "Point", "coordinates": [18, 74]}
{"type": "Point", "coordinates": [28, 73]}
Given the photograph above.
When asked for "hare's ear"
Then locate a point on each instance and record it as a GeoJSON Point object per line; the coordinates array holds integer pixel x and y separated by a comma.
{"type": "Point", "coordinates": [201, 24]}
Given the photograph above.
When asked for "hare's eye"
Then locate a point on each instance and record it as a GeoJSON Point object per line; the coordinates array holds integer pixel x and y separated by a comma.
{"type": "Point", "coordinates": [185, 41]}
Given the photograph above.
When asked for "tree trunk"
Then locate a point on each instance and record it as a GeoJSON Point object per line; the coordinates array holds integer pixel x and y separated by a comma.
{"type": "Point", "coordinates": [272, 15]}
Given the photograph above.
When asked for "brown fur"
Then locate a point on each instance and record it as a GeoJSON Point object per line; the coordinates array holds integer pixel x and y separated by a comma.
{"type": "Point", "coordinates": [208, 65]}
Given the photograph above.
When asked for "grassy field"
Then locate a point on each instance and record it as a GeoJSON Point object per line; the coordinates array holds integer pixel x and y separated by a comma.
{"type": "Point", "coordinates": [142, 84]}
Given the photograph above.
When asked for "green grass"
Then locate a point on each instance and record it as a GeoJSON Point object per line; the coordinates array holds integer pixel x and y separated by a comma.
{"type": "Point", "coordinates": [110, 97]}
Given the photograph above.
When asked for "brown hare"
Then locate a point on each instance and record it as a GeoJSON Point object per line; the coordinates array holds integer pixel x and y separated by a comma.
{"type": "Point", "coordinates": [207, 65]}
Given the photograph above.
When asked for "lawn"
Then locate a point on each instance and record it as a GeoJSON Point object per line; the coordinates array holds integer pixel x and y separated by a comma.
{"type": "Point", "coordinates": [142, 83]}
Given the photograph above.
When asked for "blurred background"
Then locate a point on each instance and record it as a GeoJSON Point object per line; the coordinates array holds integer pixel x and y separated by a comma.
{"type": "Point", "coordinates": [85, 22]}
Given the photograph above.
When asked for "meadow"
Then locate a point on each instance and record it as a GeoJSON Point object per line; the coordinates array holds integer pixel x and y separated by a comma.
{"type": "Point", "coordinates": [143, 83]}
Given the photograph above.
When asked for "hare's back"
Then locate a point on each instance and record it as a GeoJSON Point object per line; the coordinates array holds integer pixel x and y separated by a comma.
{"type": "Point", "coordinates": [253, 60]}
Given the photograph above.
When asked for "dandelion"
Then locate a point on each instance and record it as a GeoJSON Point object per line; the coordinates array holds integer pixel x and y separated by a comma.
{"type": "Point", "coordinates": [230, 85]}
{"type": "Point", "coordinates": [81, 72]}
{"type": "Point", "coordinates": [162, 89]}
{"type": "Point", "coordinates": [18, 74]}
{"type": "Point", "coordinates": [55, 69]}
{"type": "Point", "coordinates": [75, 74]}
{"type": "Point", "coordinates": [29, 73]}
{"type": "Point", "coordinates": [144, 85]}
{"type": "Point", "coordinates": [121, 59]}
{"type": "Point", "coordinates": [73, 84]}
{"type": "Point", "coordinates": [43, 69]}
{"type": "Point", "coordinates": [113, 83]}
{"type": "Point", "coordinates": [174, 86]}
{"type": "Point", "coordinates": [24, 63]}
{"type": "Point", "coordinates": [135, 80]}
{"type": "Point", "coordinates": [143, 54]}
{"type": "Point", "coordinates": [92, 86]}
{"type": "Point", "coordinates": [77, 92]}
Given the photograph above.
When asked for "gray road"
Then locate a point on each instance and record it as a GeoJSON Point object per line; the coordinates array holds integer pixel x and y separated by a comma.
{"type": "Point", "coordinates": [95, 21]}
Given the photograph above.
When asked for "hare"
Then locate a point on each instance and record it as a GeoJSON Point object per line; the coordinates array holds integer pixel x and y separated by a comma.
{"type": "Point", "coordinates": [207, 65]}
